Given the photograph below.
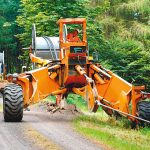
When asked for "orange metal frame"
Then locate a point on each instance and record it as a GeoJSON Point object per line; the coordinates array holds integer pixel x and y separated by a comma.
{"type": "Point", "coordinates": [100, 84]}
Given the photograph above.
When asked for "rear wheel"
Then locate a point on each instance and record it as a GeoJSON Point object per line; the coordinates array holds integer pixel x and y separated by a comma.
{"type": "Point", "coordinates": [13, 103]}
{"type": "Point", "coordinates": [144, 111]}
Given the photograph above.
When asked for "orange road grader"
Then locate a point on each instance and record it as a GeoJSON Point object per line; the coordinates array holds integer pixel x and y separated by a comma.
{"type": "Point", "coordinates": [66, 67]}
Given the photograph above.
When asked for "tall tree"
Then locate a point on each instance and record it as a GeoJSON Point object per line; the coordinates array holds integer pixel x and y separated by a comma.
{"type": "Point", "coordinates": [45, 14]}
{"type": "Point", "coordinates": [8, 29]}
{"type": "Point", "coordinates": [125, 25]}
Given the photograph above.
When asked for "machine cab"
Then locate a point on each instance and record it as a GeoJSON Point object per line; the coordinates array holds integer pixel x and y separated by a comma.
{"type": "Point", "coordinates": [72, 37]}
{"type": "Point", "coordinates": [68, 26]}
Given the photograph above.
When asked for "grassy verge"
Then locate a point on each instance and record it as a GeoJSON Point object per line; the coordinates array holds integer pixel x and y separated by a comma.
{"type": "Point", "coordinates": [116, 134]}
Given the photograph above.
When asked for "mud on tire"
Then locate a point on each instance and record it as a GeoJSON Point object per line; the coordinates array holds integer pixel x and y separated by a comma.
{"type": "Point", "coordinates": [144, 111]}
{"type": "Point", "coordinates": [13, 103]}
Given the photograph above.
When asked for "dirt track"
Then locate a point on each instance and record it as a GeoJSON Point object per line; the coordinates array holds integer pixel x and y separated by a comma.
{"type": "Point", "coordinates": [54, 127]}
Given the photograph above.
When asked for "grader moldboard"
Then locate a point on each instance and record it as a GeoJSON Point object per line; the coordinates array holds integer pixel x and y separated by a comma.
{"type": "Point", "coordinates": [66, 67]}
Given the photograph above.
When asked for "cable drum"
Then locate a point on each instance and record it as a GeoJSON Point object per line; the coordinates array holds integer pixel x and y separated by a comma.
{"type": "Point", "coordinates": [45, 47]}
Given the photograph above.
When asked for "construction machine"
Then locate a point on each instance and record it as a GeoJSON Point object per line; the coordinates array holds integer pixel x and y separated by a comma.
{"type": "Point", "coordinates": [65, 67]}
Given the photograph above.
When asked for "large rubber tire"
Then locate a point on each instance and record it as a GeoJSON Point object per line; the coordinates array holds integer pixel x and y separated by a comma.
{"type": "Point", "coordinates": [144, 111]}
{"type": "Point", "coordinates": [13, 103]}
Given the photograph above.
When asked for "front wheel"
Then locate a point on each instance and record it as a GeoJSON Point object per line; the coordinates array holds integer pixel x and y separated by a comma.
{"type": "Point", "coordinates": [13, 103]}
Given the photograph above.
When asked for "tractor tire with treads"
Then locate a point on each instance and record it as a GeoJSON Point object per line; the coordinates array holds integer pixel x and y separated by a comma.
{"type": "Point", "coordinates": [13, 103]}
{"type": "Point", "coordinates": [144, 110]}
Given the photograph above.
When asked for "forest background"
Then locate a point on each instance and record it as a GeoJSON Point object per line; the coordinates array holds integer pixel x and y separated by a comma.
{"type": "Point", "coordinates": [119, 30]}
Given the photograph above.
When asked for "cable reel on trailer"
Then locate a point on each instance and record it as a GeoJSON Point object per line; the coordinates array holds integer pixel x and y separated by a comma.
{"type": "Point", "coordinates": [45, 47]}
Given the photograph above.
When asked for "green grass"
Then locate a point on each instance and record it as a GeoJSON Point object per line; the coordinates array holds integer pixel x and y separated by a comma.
{"type": "Point", "coordinates": [72, 99]}
{"type": "Point", "coordinates": [78, 101]}
{"type": "Point", "coordinates": [115, 134]}
{"type": "Point", "coordinates": [50, 99]}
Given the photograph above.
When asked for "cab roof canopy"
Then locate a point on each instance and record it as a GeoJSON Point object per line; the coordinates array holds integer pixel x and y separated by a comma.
{"type": "Point", "coordinates": [72, 21]}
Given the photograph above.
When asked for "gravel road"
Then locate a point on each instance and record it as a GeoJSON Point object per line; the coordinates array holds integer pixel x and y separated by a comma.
{"type": "Point", "coordinates": [54, 127]}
